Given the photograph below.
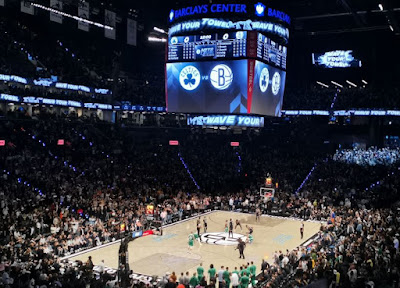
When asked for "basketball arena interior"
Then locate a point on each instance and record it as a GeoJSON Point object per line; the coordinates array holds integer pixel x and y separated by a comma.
{"type": "Point", "coordinates": [199, 144]}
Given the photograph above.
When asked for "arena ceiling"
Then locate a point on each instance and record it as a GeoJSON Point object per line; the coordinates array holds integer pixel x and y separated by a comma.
{"type": "Point", "coordinates": [314, 17]}
{"type": "Point", "coordinates": [309, 17]}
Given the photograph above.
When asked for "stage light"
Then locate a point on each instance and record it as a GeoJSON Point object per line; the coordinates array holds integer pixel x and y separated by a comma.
{"type": "Point", "coordinates": [160, 30]}
{"type": "Point", "coordinates": [337, 84]}
{"type": "Point", "coordinates": [72, 16]}
{"type": "Point", "coordinates": [380, 7]}
{"type": "Point", "coordinates": [351, 83]}
{"type": "Point", "coordinates": [391, 28]}
{"type": "Point", "coordinates": [365, 82]}
{"type": "Point", "coordinates": [322, 84]}
{"type": "Point", "coordinates": [155, 39]}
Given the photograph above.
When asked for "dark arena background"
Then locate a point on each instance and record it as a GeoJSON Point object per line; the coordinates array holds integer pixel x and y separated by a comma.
{"type": "Point", "coordinates": [189, 144]}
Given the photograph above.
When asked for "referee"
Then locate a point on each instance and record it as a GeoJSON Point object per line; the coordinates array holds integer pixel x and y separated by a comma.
{"type": "Point", "coordinates": [241, 245]}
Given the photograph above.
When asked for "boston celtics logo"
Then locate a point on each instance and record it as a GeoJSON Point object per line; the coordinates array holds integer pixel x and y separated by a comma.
{"type": "Point", "coordinates": [221, 238]}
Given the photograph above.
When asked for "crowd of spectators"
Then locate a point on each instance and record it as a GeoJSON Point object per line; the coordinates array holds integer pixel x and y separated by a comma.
{"type": "Point", "coordinates": [368, 157]}
{"type": "Point", "coordinates": [57, 200]}
{"type": "Point", "coordinates": [319, 98]}
{"type": "Point", "coordinates": [368, 97]}
{"type": "Point", "coordinates": [314, 98]}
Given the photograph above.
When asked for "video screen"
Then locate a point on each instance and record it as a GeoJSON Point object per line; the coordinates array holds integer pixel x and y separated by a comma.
{"type": "Point", "coordinates": [268, 90]}
{"type": "Point", "coordinates": [336, 59]}
{"type": "Point", "coordinates": [207, 87]}
{"type": "Point", "coordinates": [234, 87]}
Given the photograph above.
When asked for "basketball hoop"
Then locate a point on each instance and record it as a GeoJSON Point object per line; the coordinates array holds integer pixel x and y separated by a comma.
{"type": "Point", "coordinates": [267, 193]}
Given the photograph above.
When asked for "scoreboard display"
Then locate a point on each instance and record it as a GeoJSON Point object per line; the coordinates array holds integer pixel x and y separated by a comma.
{"type": "Point", "coordinates": [271, 52]}
{"type": "Point", "coordinates": [207, 47]}
{"type": "Point", "coordinates": [225, 46]}
{"type": "Point", "coordinates": [226, 58]}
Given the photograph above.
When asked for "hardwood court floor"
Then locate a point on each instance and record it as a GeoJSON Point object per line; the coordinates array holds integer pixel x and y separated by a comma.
{"type": "Point", "coordinates": [156, 255]}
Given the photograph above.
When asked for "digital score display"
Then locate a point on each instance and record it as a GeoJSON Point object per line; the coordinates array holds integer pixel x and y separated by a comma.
{"type": "Point", "coordinates": [271, 52]}
{"type": "Point", "coordinates": [208, 47]}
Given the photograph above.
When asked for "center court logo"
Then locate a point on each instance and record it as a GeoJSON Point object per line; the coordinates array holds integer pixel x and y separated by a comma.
{"type": "Point", "coordinates": [276, 83]}
{"type": "Point", "coordinates": [221, 77]}
{"type": "Point", "coordinates": [264, 80]}
{"type": "Point", "coordinates": [221, 238]}
{"type": "Point", "coordinates": [189, 78]}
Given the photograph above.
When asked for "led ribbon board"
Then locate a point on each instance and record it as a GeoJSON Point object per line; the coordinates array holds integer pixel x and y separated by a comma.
{"type": "Point", "coordinates": [223, 24]}
{"type": "Point", "coordinates": [336, 59]}
{"type": "Point", "coordinates": [226, 120]}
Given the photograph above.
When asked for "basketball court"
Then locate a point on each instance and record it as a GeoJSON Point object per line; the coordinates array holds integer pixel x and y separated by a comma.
{"type": "Point", "coordinates": [156, 255]}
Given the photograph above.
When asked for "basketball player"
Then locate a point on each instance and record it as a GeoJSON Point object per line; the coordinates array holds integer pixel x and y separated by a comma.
{"type": "Point", "coordinates": [258, 214]}
{"type": "Point", "coordinates": [250, 239]}
{"type": "Point", "coordinates": [250, 229]}
{"type": "Point", "coordinates": [230, 228]}
{"type": "Point", "coordinates": [238, 224]}
{"type": "Point", "coordinates": [205, 224]}
{"type": "Point", "coordinates": [198, 226]}
{"type": "Point", "coordinates": [226, 226]}
{"type": "Point", "coordinates": [302, 229]}
{"type": "Point", "coordinates": [191, 241]}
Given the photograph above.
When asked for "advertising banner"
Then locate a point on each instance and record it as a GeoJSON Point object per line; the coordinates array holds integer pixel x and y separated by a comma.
{"type": "Point", "coordinates": [56, 5]}
{"type": "Point", "coordinates": [131, 32]}
{"type": "Point", "coordinates": [110, 20]}
{"type": "Point", "coordinates": [83, 12]}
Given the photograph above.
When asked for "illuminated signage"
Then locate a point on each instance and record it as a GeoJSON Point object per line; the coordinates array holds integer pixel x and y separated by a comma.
{"type": "Point", "coordinates": [393, 113]}
{"type": "Point", "coordinates": [259, 9]}
{"type": "Point", "coordinates": [52, 82]}
{"type": "Point", "coordinates": [320, 113]}
{"type": "Point", "coordinates": [221, 77]}
{"type": "Point", "coordinates": [98, 106]}
{"type": "Point", "coordinates": [226, 120]}
{"type": "Point", "coordinates": [305, 112]}
{"type": "Point", "coordinates": [48, 101]}
{"type": "Point", "coordinates": [189, 78]}
{"type": "Point", "coordinates": [140, 108]}
{"type": "Point", "coordinates": [342, 112]}
{"type": "Point", "coordinates": [101, 91]}
{"type": "Point", "coordinates": [11, 98]}
{"type": "Point", "coordinates": [213, 23]}
{"type": "Point", "coordinates": [45, 83]}
{"type": "Point", "coordinates": [173, 143]}
{"type": "Point", "coordinates": [13, 78]}
{"type": "Point", "coordinates": [204, 9]}
{"type": "Point", "coordinates": [235, 144]}
{"type": "Point", "coordinates": [336, 59]}
{"type": "Point", "coordinates": [72, 87]}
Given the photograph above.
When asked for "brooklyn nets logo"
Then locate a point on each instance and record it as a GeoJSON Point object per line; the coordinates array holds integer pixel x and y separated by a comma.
{"type": "Point", "coordinates": [221, 238]}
